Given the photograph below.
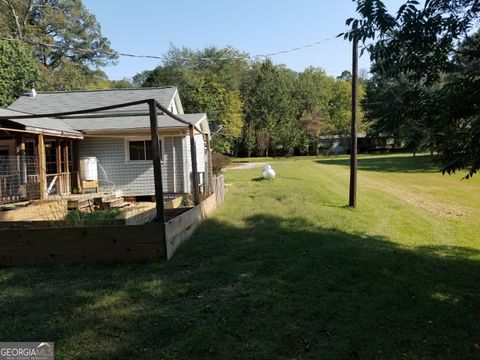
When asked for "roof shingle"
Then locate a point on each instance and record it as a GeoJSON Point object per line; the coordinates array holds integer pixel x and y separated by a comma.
{"type": "Point", "coordinates": [45, 123]}
{"type": "Point", "coordinates": [55, 102]}
{"type": "Point", "coordinates": [129, 122]}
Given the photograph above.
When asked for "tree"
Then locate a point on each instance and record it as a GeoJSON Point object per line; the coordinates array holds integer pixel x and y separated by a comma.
{"type": "Point", "coordinates": [64, 37]}
{"type": "Point", "coordinates": [460, 104]}
{"type": "Point", "coordinates": [314, 123]}
{"type": "Point", "coordinates": [140, 79]}
{"type": "Point", "coordinates": [248, 138]}
{"type": "Point", "coordinates": [420, 45]}
{"type": "Point", "coordinates": [313, 90]}
{"type": "Point", "coordinates": [208, 83]}
{"type": "Point", "coordinates": [124, 83]}
{"type": "Point", "coordinates": [339, 110]}
{"type": "Point", "coordinates": [18, 71]}
{"type": "Point", "coordinates": [397, 106]}
{"type": "Point", "coordinates": [67, 76]}
{"type": "Point", "coordinates": [345, 75]}
{"type": "Point", "coordinates": [267, 91]}
{"type": "Point", "coordinates": [324, 102]}
{"type": "Point", "coordinates": [224, 108]}
{"type": "Point", "coordinates": [202, 91]}
{"type": "Point", "coordinates": [227, 64]}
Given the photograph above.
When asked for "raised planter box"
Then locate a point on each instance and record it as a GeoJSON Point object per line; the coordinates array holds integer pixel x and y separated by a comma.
{"type": "Point", "coordinates": [181, 227]}
{"type": "Point", "coordinates": [82, 244]}
{"type": "Point", "coordinates": [115, 243]}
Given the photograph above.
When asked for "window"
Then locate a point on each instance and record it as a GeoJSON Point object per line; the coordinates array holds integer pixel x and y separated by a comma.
{"type": "Point", "coordinates": [138, 149]}
{"type": "Point", "coordinates": [30, 148]}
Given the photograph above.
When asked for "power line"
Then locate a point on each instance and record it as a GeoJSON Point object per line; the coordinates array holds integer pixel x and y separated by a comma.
{"type": "Point", "coordinates": [298, 48]}
{"type": "Point", "coordinates": [163, 57]}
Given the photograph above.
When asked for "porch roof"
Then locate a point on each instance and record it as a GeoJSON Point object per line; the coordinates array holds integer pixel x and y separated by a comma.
{"type": "Point", "coordinates": [46, 125]}
{"type": "Point", "coordinates": [116, 123]}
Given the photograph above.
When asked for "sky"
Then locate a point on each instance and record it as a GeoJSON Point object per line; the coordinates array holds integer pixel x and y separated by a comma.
{"type": "Point", "coordinates": [149, 27]}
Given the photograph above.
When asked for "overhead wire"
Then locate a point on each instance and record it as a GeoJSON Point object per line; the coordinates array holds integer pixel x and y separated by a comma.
{"type": "Point", "coordinates": [164, 57]}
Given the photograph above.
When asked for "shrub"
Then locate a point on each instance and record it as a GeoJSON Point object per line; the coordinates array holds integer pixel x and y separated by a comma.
{"type": "Point", "coordinates": [219, 161]}
{"type": "Point", "coordinates": [94, 218]}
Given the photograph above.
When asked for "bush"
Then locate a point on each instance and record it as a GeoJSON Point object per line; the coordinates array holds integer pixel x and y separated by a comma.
{"type": "Point", "coordinates": [219, 161]}
{"type": "Point", "coordinates": [94, 218]}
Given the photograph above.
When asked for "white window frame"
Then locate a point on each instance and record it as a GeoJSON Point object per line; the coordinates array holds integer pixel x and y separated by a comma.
{"type": "Point", "coordinates": [142, 138]}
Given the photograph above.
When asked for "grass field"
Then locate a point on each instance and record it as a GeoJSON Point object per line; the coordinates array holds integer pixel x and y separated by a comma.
{"type": "Point", "coordinates": [282, 270]}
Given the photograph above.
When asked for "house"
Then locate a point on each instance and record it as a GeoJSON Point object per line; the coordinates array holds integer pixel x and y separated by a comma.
{"type": "Point", "coordinates": [340, 144]}
{"type": "Point", "coordinates": [118, 139]}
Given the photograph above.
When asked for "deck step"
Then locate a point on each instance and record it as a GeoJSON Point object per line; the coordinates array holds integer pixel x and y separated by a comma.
{"type": "Point", "coordinates": [109, 197]}
{"type": "Point", "coordinates": [78, 204]}
{"type": "Point", "coordinates": [107, 201]}
{"type": "Point", "coordinates": [119, 204]}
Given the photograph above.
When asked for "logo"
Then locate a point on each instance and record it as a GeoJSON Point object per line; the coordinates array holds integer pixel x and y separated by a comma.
{"type": "Point", "coordinates": [26, 351]}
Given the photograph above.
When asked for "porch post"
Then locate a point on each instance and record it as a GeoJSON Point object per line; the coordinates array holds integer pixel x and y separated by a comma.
{"type": "Point", "coordinates": [42, 167]}
{"type": "Point", "coordinates": [210, 165]}
{"type": "Point", "coordinates": [157, 165]}
{"type": "Point", "coordinates": [193, 155]}
{"type": "Point", "coordinates": [75, 164]}
{"type": "Point", "coordinates": [21, 158]}
{"type": "Point", "coordinates": [66, 167]}
{"type": "Point", "coordinates": [59, 167]}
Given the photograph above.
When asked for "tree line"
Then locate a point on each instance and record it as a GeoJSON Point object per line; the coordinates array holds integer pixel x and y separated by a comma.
{"type": "Point", "coordinates": [256, 107]}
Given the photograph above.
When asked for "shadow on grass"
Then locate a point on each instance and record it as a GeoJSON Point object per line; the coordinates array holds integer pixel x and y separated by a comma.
{"type": "Point", "coordinates": [405, 164]}
{"type": "Point", "coordinates": [273, 288]}
{"type": "Point", "coordinates": [260, 178]}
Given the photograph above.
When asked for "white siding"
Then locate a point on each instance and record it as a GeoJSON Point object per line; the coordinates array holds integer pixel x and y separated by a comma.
{"type": "Point", "coordinates": [134, 178]}
{"type": "Point", "coordinates": [200, 146]}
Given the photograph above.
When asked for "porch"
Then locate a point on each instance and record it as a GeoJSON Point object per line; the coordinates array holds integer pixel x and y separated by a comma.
{"type": "Point", "coordinates": [35, 166]}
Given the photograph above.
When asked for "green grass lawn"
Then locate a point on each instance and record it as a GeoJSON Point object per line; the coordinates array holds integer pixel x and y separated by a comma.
{"type": "Point", "coordinates": [282, 270]}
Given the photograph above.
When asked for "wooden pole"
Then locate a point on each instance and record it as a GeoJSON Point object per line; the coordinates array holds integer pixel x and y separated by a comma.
{"type": "Point", "coordinates": [42, 167]}
{"type": "Point", "coordinates": [353, 148]}
{"type": "Point", "coordinates": [58, 157]}
{"type": "Point", "coordinates": [210, 165]}
{"type": "Point", "coordinates": [23, 161]}
{"type": "Point", "coordinates": [66, 167]}
{"type": "Point", "coordinates": [193, 155]}
{"type": "Point", "coordinates": [75, 165]}
{"type": "Point", "coordinates": [157, 165]}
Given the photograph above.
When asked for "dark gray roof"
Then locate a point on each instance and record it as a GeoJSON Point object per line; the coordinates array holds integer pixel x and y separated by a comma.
{"type": "Point", "coordinates": [54, 102]}
{"type": "Point", "coordinates": [44, 123]}
{"type": "Point", "coordinates": [130, 122]}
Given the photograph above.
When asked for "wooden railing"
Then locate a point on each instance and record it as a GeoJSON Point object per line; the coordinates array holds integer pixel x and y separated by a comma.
{"type": "Point", "coordinates": [61, 181]}
{"type": "Point", "coordinates": [8, 192]}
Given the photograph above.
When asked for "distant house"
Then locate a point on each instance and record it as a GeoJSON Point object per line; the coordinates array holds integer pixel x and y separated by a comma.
{"type": "Point", "coordinates": [340, 144]}
{"type": "Point", "coordinates": [118, 139]}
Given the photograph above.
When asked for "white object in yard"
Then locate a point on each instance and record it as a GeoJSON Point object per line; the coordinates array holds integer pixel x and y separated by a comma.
{"type": "Point", "coordinates": [268, 172]}
{"type": "Point", "coordinates": [88, 168]}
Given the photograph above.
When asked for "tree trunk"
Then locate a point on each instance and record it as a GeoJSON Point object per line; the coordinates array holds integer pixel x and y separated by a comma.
{"type": "Point", "coordinates": [15, 18]}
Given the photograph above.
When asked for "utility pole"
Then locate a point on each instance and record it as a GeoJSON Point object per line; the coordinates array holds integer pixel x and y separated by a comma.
{"type": "Point", "coordinates": [353, 137]}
